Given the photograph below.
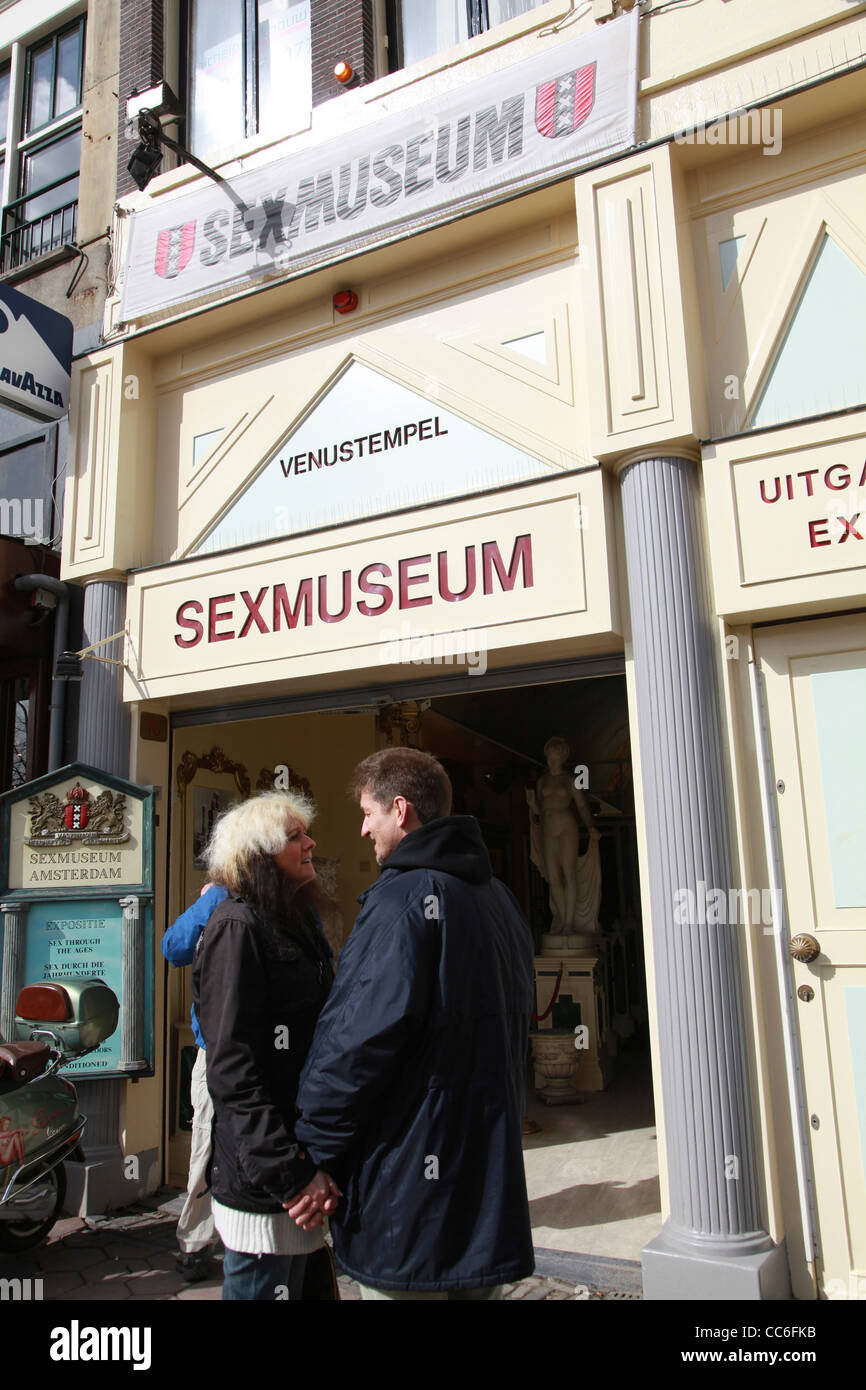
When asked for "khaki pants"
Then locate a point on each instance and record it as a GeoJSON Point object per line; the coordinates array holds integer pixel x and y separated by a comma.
{"type": "Point", "coordinates": [195, 1229]}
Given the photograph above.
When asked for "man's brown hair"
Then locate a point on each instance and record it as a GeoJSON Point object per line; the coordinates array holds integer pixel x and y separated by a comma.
{"type": "Point", "coordinates": [408, 772]}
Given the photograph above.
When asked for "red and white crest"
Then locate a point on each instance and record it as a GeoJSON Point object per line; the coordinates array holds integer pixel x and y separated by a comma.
{"type": "Point", "coordinates": [561, 106]}
{"type": "Point", "coordinates": [174, 247]}
{"type": "Point", "coordinates": [76, 812]}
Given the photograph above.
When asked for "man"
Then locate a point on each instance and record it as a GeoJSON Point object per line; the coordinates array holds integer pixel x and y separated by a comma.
{"type": "Point", "coordinates": [412, 1096]}
{"type": "Point", "coordinates": [195, 1229]}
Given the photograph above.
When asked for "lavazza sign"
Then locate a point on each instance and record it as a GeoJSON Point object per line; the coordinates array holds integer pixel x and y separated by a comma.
{"type": "Point", "coordinates": [515, 130]}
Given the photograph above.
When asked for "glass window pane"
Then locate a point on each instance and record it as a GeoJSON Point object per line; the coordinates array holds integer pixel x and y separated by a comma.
{"type": "Point", "coordinates": [42, 167]}
{"type": "Point", "coordinates": [67, 86]}
{"type": "Point", "coordinates": [821, 365]}
{"type": "Point", "coordinates": [499, 11]}
{"type": "Point", "coordinates": [216, 75]}
{"type": "Point", "coordinates": [21, 731]}
{"type": "Point", "coordinates": [285, 85]}
{"type": "Point", "coordinates": [4, 103]}
{"type": "Point", "coordinates": [39, 105]}
{"type": "Point", "coordinates": [429, 26]}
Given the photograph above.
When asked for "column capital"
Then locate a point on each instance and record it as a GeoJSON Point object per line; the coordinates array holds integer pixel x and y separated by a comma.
{"type": "Point", "coordinates": [686, 449]}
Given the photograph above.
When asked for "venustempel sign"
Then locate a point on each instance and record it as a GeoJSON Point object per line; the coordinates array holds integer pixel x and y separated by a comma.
{"type": "Point", "coordinates": [514, 130]}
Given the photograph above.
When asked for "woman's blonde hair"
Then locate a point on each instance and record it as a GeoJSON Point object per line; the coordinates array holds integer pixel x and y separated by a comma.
{"type": "Point", "coordinates": [253, 828]}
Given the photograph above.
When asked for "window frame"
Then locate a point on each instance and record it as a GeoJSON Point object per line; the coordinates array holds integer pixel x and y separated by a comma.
{"type": "Point", "coordinates": [249, 65]}
{"type": "Point", "coordinates": [478, 20]}
{"type": "Point", "coordinates": [19, 143]}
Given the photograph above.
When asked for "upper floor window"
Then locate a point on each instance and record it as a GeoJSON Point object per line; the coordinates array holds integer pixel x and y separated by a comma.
{"type": "Point", "coordinates": [419, 28]}
{"type": "Point", "coordinates": [40, 141]}
{"type": "Point", "coordinates": [250, 71]}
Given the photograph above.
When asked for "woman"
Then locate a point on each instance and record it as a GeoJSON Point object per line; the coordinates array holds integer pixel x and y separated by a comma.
{"type": "Point", "coordinates": [261, 976]}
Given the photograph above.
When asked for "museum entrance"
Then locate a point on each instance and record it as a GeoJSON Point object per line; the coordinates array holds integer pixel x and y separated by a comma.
{"type": "Point", "coordinates": [521, 757]}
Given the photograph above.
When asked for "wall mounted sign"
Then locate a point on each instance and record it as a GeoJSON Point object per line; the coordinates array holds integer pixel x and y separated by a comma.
{"type": "Point", "coordinates": [511, 131]}
{"type": "Point", "coordinates": [370, 445]}
{"type": "Point", "coordinates": [35, 356]}
{"type": "Point", "coordinates": [76, 898]}
{"type": "Point", "coordinates": [790, 515]}
{"type": "Point", "coordinates": [501, 569]}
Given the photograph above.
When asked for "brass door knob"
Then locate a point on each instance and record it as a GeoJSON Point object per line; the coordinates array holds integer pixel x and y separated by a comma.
{"type": "Point", "coordinates": [804, 948]}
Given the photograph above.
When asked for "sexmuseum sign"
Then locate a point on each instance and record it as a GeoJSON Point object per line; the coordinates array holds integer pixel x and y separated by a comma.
{"type": "Point", "coordinates": [512, 131]}
{"type": "Point", "coordinates": [510, 568]}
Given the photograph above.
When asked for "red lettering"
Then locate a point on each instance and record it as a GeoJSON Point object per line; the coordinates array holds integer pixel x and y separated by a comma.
{"type": "Point", "coordinates": [813, 533]}
{"type": "Point", "coordinates": [183, 621]}
{"type": "Point", "coordinates": [808, 474]}
{"type": "Point", "coordinates": [862, 482]}
{"type": "Point", "coordinates": [383, 590]}
{"type": "Point", "coordinates": [850, 528]}
{"type": "Point", "coordinates": [520, 555]}
{"type": "Point", "coordinates": [471, 577]}
{"type": "Point", "coordinates": [764, 497]}
{"type": "Point", "coordinates": [407, 580]}
{"type": "Point", "coordinates": [845, 477]}
{"type": "Point", "coordinates": [253, 606]}
{"type": "Point", "coordinates": [215, 616]}
{"type": "Point", "coordinates": [282, 609]}
{"type": "Point", "coordinates": [325, 616]}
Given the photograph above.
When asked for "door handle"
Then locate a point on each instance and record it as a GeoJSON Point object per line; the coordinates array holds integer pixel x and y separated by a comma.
{"type": "Point", "coordinates": [804, 948]}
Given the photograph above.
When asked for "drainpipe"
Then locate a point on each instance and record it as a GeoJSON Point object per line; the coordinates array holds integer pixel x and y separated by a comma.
{"type": "Point", "coordinates": [27, 583]}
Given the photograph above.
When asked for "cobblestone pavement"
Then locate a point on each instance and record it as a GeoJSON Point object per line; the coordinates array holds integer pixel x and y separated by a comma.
{"type": "Point", "coordinates": [131, 1255]}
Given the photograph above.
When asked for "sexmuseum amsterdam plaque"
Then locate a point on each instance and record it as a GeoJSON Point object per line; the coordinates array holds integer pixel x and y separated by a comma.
{"type": "Point", "coordinates": [76, 882]}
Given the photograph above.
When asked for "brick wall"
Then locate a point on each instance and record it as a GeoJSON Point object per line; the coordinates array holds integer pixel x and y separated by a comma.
{"type": "Point", "coordinates": [141, 66]}
{"type": "Point", "coordinates": [341, 29]}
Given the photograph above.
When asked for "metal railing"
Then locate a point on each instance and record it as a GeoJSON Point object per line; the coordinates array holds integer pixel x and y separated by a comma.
{"type": "Point", "coordinates": [22, 242]}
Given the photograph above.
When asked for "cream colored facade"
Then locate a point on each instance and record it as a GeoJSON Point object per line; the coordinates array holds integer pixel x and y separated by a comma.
{"type": "Point", "coordinates": [649, 352]}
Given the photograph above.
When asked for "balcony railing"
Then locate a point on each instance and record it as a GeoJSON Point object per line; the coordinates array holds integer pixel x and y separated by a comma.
{"type": "Point", "coordinates": [22, 242]}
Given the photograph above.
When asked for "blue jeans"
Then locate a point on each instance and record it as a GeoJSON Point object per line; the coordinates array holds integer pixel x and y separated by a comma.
{"type": "Point", "coordinates": [262, 1277]}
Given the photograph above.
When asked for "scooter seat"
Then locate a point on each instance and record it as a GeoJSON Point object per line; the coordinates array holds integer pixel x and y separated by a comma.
{"type": "Point", "coordinates": [23, 1061]}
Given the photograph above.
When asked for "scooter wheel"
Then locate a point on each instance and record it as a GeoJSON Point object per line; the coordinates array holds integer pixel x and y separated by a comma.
{"type": "Point", "coordinates": [20, 1235]}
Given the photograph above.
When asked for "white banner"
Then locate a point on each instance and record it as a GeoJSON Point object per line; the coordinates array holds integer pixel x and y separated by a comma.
{"type": "Point", "coordinates": [515, 130]}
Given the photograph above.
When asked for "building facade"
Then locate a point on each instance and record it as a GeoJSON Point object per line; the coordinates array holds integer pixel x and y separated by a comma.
{"type": "Point", "coordinates": [58, 115]}
{"type": "Point", "coordinates": [554, 313]}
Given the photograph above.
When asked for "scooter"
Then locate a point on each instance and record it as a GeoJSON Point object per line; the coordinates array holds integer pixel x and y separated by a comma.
{"type": "Point", "coordinates": [56, 1022]}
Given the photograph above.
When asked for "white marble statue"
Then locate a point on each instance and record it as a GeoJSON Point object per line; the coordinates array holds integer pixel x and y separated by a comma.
{"type": "Point", "coordinates": [574, 878]}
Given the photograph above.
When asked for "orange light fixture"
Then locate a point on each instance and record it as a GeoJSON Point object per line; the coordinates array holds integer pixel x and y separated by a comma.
{"type": "Point", "coordinates": [343, 71]}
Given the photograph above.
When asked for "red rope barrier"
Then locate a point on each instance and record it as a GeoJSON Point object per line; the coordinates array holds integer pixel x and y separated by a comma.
{"type": "Point", "coordinates": [539, 1018]}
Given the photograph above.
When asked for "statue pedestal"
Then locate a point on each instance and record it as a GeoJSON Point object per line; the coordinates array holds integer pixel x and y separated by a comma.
{"type": "Point", "coordinates": [569, 1047]}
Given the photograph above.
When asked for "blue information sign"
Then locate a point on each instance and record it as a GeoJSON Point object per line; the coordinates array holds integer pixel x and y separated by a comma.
{"type": "Point", "coordinates": [78, 938]}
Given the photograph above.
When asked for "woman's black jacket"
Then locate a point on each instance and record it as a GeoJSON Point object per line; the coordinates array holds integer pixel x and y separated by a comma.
{"type": "Point", "coordinates": [258, 991]}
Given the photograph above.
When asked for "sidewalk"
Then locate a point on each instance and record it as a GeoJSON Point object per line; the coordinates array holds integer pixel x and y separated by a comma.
{"type": "Point", "coordinates": [131, 1255]}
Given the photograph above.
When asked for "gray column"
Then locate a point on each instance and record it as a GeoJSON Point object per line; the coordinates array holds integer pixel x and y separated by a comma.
{"type": "Point", "coordinates": [12, 969]}
{"type": "Point", "coordinates": [132, 983]}
{"type": "Point", "coordinates": [713, 1245]}
{"type": "Point", "coordinates": [103, 721]}
{"type": "Point", "coordinates": [98, 1184]}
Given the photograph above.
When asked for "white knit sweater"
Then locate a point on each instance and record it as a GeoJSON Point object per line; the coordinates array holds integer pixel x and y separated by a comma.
{"type": "Point", "coordinates": [255, 1233]}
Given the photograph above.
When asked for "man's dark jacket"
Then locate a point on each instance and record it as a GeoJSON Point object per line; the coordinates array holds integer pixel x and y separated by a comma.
{"type": "Point", "coordinates": [258, 992]}
{"type": "Point", "coordinates": [413, 1092]}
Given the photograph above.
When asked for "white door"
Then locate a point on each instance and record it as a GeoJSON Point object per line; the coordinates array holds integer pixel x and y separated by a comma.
{"type": "Point", "coordinates": [815, 683]}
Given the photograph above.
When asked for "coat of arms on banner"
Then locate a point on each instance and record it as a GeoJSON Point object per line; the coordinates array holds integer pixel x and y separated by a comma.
{"type": "Point", "coordinates": [91, 820]}
{"type": "Point", "coordinates": [174, 246]}
{"type": "Point", "coordinates": [561, 106]}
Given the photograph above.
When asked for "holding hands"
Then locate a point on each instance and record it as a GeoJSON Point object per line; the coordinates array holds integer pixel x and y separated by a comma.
{"type": "Point", "coordinates": [314, 1202]}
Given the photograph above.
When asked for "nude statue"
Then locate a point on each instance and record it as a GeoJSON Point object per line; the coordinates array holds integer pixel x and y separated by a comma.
{"type": "Point", "coordinates": [555, 843]}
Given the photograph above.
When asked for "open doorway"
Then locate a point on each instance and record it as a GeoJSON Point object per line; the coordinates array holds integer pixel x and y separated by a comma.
{"type": "Point", "coordinates": [592, 1161]}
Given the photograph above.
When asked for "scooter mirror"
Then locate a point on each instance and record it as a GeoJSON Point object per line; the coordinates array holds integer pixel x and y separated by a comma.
{"type": "Point", "coordinates": [91, 1012]}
